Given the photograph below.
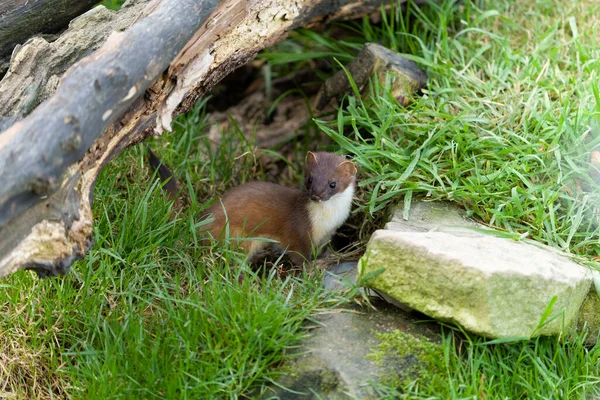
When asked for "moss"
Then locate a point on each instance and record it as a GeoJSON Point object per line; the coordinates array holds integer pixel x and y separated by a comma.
{"type": "Point", "coordinates": [329, 380]}
{"type": "Point", "coordinates": [312, 375]}
{"type": "Point", "coordinates": [404, 358]}
{"type": "Point", "coordinates": [589, 317]}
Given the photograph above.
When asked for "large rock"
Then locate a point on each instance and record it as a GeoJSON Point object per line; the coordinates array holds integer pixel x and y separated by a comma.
{"type": "Point", "coordinates": [438, 264]}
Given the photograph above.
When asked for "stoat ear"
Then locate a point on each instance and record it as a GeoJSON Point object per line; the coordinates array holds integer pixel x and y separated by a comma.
{"type": "Point", "coordinates": [311, 159]}
{"type": "Point", "coordinates": [347, 168]}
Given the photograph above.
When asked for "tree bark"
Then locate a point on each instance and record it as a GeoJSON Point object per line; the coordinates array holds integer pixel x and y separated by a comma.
{"type": "Point", "coordinates": [133, 85]}
{"type": "Point", "coordinates": [38, 66]}
{"type": "Point", "coordinates": [21, 19]}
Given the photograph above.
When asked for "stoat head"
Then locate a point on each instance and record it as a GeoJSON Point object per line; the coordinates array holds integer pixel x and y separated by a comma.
{"type": "Point", "coordinates": [327, 174]}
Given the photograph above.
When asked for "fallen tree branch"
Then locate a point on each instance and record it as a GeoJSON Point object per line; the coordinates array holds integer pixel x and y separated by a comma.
{"type": "Point", "coordinates": [50, 159]}
{"type": "Point", "coordinates": [38, 65]}
{"type": "Point", "coordinates": [38, 199]}
{"type": "Point", "coordinates": [21, 19]}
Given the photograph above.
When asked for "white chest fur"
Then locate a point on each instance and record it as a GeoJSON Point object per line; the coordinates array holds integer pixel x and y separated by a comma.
{"type": "Point", "coordinates": [327, 216]}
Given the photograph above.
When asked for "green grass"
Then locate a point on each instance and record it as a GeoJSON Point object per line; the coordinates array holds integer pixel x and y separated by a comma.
{"type": "Point", "coordinates": [463, 367]}
{"type": "Point", "coordinates": [112, 4]}
{"type": "Point", "coordinates": [150, 313]}
{"type": "Point", "coordinates": [505, 129]}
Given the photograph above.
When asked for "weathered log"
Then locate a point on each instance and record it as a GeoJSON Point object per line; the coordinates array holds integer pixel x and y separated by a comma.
{"type": "Point", "coordinates": [50, 159]}
{"type": "Point", "coordinates": [375, 60]}
{"type": "Point", "coordinates": [21, 19]}
{"type": "Point", "coordinates": [45, 216]}
{"type": "Point", "coordinates": [36, 67]}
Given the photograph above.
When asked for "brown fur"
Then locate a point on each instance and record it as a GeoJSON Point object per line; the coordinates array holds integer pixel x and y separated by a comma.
{"type": "Point", "coordinates": [324, 168]}
{"type": "Point", "coordinates": [268, 210]}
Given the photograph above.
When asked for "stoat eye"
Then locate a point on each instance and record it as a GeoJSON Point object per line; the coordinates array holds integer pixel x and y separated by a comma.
{"type": "Point", "coordinates": [309, 180]}
{"type": "Point", "coordinates": [332, 185]}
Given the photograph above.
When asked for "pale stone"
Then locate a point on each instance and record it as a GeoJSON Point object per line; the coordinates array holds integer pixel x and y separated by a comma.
{"type": "Point", "coordinates": [492, 286]}
{"type": "Point", "coordinates": [434, 215]}
{"type": "Point", "coordinates": [334, 361]}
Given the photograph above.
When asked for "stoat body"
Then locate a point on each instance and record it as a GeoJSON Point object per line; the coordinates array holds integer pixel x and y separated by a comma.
{"type": "Point", "coordinates": [299, 220]}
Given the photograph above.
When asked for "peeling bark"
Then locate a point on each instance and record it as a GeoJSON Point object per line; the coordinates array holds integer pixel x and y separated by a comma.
{"type": "Point", "coordinates": [173, 54]}
{"type": "Point", "coordinates": [21, 19]}
{"type": "Point", "coordinates": [38, 65]}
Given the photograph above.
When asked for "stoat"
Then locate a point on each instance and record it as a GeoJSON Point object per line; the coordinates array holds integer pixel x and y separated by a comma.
{"type": "Point", "coordinates": [299, 220]}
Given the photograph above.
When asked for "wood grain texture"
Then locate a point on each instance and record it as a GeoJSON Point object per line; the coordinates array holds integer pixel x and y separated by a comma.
{"type": "Point", "coordinates": [40, 185]}
{"type": "Point", "coordinates": [21, 19]}
{"type": "Point", "coordinates": [38, 65]}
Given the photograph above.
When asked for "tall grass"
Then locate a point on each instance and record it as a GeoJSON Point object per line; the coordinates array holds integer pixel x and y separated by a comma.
{"type": "Point", "coordinates": [150, 312]}
{"type": "Point", "coordinates": [505, 127]}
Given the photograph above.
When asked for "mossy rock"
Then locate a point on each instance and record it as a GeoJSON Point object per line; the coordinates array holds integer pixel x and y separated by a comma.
{"type": "Point", "coordinates": [405, 357]}
{"type": "Point", "coordinates": [589, 317]}
{"type": "Point", "coordinates": [339, 360]}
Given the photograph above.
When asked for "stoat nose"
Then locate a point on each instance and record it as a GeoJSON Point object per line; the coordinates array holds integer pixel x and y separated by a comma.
{"type": "Point", "coordinates": [315, 197]}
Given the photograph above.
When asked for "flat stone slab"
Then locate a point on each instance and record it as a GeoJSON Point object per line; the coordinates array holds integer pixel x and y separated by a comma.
{"type": "Point", "coordinates": [334, 361]}
{"type": "Point", "coordinates": [439, 265]}
{"type": "Point", "coordinates": [340, 277]}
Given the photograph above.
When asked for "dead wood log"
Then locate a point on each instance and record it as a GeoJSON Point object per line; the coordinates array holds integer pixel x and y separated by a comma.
{"type": "Point", "coordinates": [49, 160]}
{"type": "Point", "coordinates": [37, 66]}
{"type": "Point", "coordinates": [45, 216]}
{"type": "Point", "coordinates": [377, 61]}
{"type": "Point", "coordinates": [21, 19]}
